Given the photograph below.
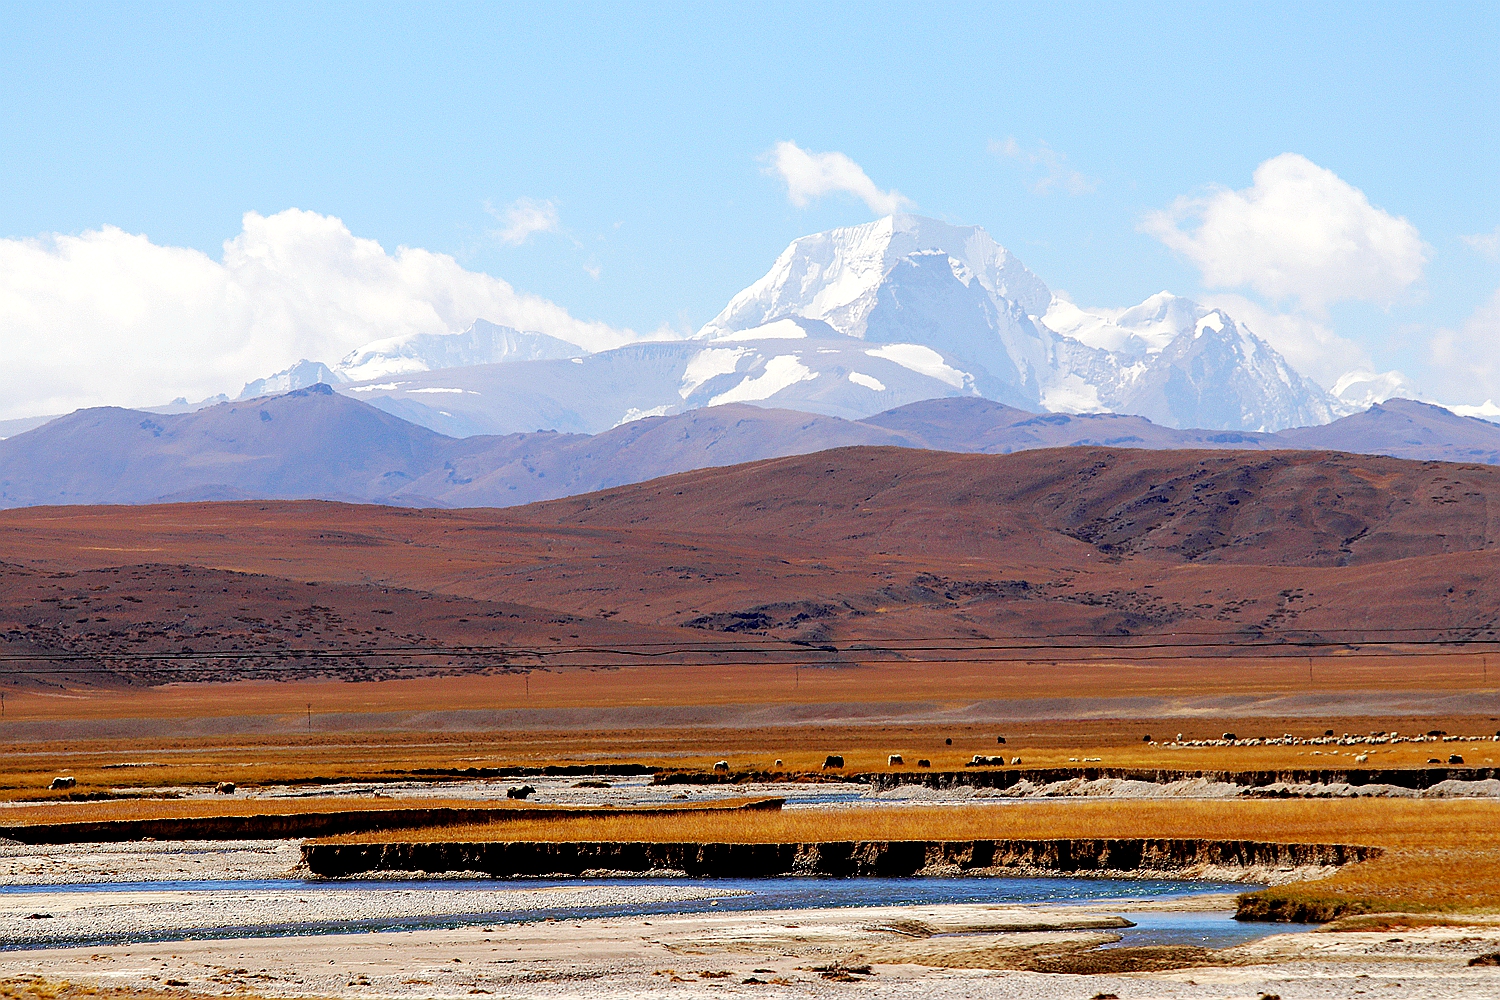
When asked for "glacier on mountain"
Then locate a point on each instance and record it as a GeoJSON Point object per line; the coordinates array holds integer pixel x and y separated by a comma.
{"type": "Point", "coordinates": [852, 322]}
{"type": "Point", "coordinates": [1179, 364]}
{"type": "Point", "coordinates": [990, 326]}
{"type": "Point", "coordinates": [303, 374]}
{"type": "Point", "coordinates": [908, 280]}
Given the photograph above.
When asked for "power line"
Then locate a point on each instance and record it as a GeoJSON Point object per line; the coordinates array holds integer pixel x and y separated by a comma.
{"type": "Point", "coordinates": [1053, 641]}
{"type": "Point", "coordinates": [172, 663]}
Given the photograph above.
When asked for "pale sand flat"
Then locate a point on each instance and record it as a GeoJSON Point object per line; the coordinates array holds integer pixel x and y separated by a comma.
{"type": "Point", "coordinates": [638, 957]}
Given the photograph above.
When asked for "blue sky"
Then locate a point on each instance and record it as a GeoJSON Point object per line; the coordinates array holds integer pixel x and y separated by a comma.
{"type": "Point", "coordinates": [642, 137]}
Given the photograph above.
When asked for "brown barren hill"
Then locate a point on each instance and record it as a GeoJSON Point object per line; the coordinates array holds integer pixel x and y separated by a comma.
{"type": "Point", "coordinates": [854, 550]}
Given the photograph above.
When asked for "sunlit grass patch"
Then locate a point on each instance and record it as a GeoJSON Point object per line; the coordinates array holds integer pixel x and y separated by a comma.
{"type": "Point", "coordinates": [1438, 855]}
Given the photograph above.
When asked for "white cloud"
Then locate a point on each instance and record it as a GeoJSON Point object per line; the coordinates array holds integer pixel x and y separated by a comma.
{"type": "Point", "coordinates": [1469, 357]}
{"type": "Point", "coordinates": [1299, 232]}
{"type": "Point", "coordinates": [110, 317]}
{"type": "Point", "coordinates": [812, 175]}
{"type": "Point", "coordinates": [524, 218]}
{"type": "Point", "coordinates": [1486, 243]}
{"type": "Point", "coordinates": [1053, 172]}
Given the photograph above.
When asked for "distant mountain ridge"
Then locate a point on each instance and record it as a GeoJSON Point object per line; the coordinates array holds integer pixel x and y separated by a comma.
{"type": "Point", "coordinates": [315, 443]}
{"type": "Point", "coordinates": [855, 321]}
{"type": "Point", "coordinates": [849, 323]}
{"type": "Point", "coordinates": [952, 289]}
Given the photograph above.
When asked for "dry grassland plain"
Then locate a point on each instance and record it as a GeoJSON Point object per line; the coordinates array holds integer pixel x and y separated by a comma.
{"type": "Point", "coordinates": [856, 551]}
{"type": "Point", "coordinates": [115, 741]}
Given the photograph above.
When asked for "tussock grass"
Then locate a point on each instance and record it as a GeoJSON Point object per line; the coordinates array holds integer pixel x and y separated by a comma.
{"type": "Point", "coordinates": [164, 763]}
{"type": "Point", "coordinates": [38, 988]}
{"type": "Point", "coordinates": [141, 809]}
{"type": "Point", "coordinates": [1384, 823]}
{"type": "Point", "coordinates": [504, 810]}
{"type": "Point", "coordinates": [1439, 855]}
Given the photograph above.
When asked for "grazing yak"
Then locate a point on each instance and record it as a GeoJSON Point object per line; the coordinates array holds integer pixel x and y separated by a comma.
{"type": "Point", "coordinates": [833, 760]}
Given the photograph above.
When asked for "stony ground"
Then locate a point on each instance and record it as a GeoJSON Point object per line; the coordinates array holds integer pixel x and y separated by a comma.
{"type": "Point", "coordinates": [803, 953]}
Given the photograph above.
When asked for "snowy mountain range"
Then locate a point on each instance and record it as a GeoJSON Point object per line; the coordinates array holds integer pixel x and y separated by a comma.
{"type": "Point", "coordinates": [850, 323]}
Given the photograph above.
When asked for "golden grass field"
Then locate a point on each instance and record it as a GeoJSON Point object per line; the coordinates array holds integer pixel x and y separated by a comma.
{"type": "Point", "coordinates": [39, 988]}
{"type": "Point", "coordinates": [1439, 855]}
{"type": "Point", "coordinates": [503, 810]}
{"type": "Point", "coordinates": [1381, 822]}
{"type": "Point", "coordinates": [1098, 674]}
{"type": "Point", "coordinates": [315, 732]}
{"type": "Point", "coordinates": [155, 766]}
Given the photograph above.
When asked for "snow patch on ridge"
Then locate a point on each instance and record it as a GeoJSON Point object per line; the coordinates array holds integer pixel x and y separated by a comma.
{"type": "Point", "coordinates": [1071, 394]}
{"type": "Point", "coordinates": [633, 414]}
{"type": "Point", "coordinates": [868, 381]}
{"type": "Point", "coordinates": [709, 364]}
{"type": "Point", "coordinates": [780, 372]}
{"type": "Point", "coordinates": [781, 329]}
{"type": "Point", "coordinates": [923, 361]}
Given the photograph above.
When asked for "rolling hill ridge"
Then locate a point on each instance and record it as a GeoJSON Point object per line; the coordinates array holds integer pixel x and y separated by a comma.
{"type": "Point", "coordinates": [313, 443]}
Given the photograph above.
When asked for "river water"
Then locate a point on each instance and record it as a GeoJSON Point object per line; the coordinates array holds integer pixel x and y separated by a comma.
{"type": "Point", "coordinates": [464, 902]}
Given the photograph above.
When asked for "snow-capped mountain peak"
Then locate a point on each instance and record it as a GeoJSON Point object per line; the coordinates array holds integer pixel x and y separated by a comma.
{"type": "Point", "coordinates": [1361, 389]}
{"type": "Point", "coordinates": [1178, 363]}
{"type": "Point", "coordinates": [483, 343]}
{"type": "Point", "coordinates": [851, 322]}
{"type": "Point", "coordinates": [835, 276]}
{"type": "Point", "coordinates": [906, 280]}
{"type": "Point", "coordinates": [1139, 330]}
{"type": "Point", "coordinates": [302, 375]}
